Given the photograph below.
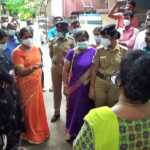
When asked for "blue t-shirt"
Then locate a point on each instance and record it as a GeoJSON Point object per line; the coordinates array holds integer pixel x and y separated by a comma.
{"type": "Point", "coordinates": [12, 43]}
{"type": "Point", "coordinates": [52, 33]}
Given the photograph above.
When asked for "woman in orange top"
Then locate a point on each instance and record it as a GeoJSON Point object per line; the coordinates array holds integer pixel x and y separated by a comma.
{"type": "Point", "coordinates": [27, 61]}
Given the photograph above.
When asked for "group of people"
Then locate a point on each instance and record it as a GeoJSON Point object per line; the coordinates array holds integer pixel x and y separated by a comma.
{"type": "Point", "coordinates": [119, 81]}
{"type": "Point", "coordinates": [112, 72]}
{"type": "Point", "coordinates": [104, 74]}
{"type": "Point", "coordinates": [22, 110]}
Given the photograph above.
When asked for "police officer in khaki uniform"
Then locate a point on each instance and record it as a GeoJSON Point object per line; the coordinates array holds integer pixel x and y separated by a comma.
{"type": "Point", "coordinates": [58, 50]}
{"type": "Point", "coordinates": [106, 66]}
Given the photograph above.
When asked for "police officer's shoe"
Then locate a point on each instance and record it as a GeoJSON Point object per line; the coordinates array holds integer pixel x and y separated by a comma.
{"type": "Point", "coordinates": [55, 117]}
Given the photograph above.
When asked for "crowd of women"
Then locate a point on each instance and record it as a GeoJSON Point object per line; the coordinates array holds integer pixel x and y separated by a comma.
{"type": "Point", "coordinates": [111, 76]}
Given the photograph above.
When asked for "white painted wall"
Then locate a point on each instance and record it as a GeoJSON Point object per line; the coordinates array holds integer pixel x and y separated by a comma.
{"type": "Point", "coordinates": [57, 7]}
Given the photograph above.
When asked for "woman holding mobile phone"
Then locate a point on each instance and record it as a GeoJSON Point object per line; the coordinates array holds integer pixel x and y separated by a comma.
{"type": "Point", "coordinates": [27, 61]}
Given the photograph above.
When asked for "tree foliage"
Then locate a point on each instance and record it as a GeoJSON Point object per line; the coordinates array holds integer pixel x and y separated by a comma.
{"type": "Point", "coordinates": [25, 9]}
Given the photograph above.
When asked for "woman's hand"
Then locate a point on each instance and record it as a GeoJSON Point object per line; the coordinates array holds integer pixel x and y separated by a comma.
{"type": "Point", "coordinates": [24, 71]}
{"type": "Point", "coordinates": [37, 66]}
{"type": "Point", "coordinates": [66, 90]}
{"type": "Point", "coordinates": [92, 94]}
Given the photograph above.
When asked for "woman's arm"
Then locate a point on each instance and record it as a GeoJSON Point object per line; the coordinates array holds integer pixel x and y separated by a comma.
{"type": "Point", "coordinates": [22, 71]}
{"type": "Point", "coordinates": [19, 61]}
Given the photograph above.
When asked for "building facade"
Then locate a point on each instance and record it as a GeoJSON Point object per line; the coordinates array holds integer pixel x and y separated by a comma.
{"type": "Point", "coordinates": [66, 7]}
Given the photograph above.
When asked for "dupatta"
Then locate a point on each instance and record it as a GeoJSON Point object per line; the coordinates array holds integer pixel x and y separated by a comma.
{"type": "Point", "coordinates": [105, 126]}
{"type": "Point", "coordinates": [84, 79]}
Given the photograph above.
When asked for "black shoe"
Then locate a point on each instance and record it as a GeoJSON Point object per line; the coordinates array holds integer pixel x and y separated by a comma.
{"type": "Point", "coordinates": [55, 118]}
{"type": "Point", "coordinates": [70, 140]}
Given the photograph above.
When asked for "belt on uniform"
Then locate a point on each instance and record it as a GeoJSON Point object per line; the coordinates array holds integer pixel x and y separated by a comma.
{"type": "Point", "coordinates": [103, 76]}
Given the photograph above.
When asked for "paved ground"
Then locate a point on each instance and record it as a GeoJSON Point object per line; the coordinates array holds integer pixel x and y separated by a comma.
{"type": "Point", "coordinates": [57, 139]}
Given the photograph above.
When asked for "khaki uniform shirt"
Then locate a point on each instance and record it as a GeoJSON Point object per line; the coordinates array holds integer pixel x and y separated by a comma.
{"type": "Point", "coordinates": [109, 60]}
{"type": "Point", "coordinates": [59, 48]}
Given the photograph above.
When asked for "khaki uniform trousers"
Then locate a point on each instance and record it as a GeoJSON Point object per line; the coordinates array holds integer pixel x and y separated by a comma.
{"type": "Point", "coordinates": [56, 72]}
{"type": "Point", "coordinates": [106, 92]}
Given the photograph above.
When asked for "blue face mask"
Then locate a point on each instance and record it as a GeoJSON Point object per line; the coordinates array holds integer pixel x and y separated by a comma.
{"type": "Point", "coordinates": [82, 45]}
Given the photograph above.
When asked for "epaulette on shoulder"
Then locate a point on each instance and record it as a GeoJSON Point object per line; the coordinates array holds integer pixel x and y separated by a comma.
{"type": "Point", "coordinates": [70, 37]}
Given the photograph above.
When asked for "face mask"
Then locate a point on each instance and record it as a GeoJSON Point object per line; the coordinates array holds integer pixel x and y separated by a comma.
{"type": "Point", "coordinates": [4, 24]}
{"type": "Point", "coordinates": [28, 42]}
{"type": "Point", "coordinates": [61, 35]}
{"type": "Point", "coordinates": [3, 46]}
{"type": "Point", "coordinates": [105, 42]}
{"type": "Point", "coordinates": [97, 39]}
{"type": "Point", "coordinates": [11, 32]}
{"type": "Point", "coordinates": [75, 30]}
{"type": "Point", "coordinates": [82, 45]}
{"type": "Point", "coordinates": [126, 22]}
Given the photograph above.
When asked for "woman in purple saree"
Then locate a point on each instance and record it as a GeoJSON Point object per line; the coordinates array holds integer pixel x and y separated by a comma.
{"type": "Point", "coordinates": [76, 74]}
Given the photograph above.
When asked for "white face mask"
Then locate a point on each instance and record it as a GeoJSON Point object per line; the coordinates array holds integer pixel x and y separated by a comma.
{"type": "Point", "coordinates": [60, 35]}
{"type": "Point", "coordinates": [105, 42]}
{"type": "Point", "coordinates": [11, 32]}
{"type": "Point", "coordinates": [75, 30]}
{"type": "Point", "coordinates": [5, 24]}
{"type": "Point", "coordinates": [97, 39]}
{"type": "Point", "coordinates": [28, 42]}
{"type": "Point", "coordinates": [3, 46]}
{"type": "Point", "coordinates": [82, 45]}
{"type": "Point", "coordinates": [126, 22]}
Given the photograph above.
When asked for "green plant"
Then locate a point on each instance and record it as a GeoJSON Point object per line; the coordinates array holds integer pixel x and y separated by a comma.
{"type": "Point", "coordinates": [25, 9]}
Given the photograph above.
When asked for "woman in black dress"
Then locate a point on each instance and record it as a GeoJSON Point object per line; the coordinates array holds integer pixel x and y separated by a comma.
{"type": "Point", "coordinates": [11, 121]}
